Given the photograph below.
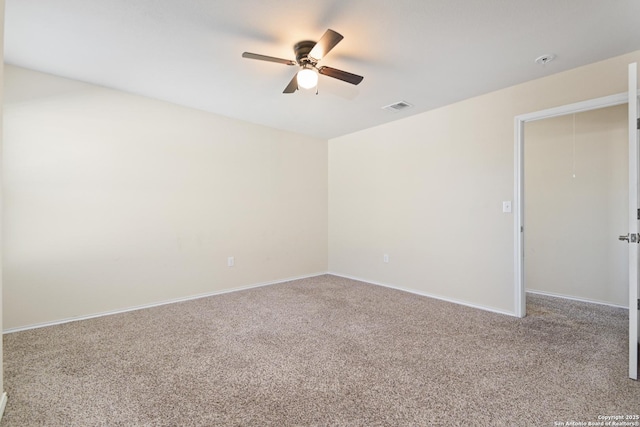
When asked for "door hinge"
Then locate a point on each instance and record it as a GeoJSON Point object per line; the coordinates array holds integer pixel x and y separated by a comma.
{"type": "Point", "coordinates": [638, 214]}
{"type": "Point", "coordinates": [638, 123]}
{"type": "Point", "coordinates": [638, 304]}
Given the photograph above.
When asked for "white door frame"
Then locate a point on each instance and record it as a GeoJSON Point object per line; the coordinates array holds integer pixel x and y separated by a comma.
{"type": "Point", "coordinates": [578, 107]}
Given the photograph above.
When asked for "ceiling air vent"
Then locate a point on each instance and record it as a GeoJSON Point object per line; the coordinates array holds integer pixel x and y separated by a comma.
{"type": "Point", "coordinates": [397, 106]}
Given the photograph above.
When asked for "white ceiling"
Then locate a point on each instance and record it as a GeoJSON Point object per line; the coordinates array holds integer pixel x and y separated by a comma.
{"type": "Point", "coordinates": [429, 53]}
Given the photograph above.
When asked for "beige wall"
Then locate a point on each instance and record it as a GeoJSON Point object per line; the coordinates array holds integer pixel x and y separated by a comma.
{"type": "Point", "coordinates": [428, 190]}
{"type": "Point", "coordinates": [576, 186]}
{"type": "Point", "coordinates": [114, 201]}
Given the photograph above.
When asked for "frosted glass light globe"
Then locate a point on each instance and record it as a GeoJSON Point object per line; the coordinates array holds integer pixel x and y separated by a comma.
{"type": "Point", "coordinates": [307, 78]}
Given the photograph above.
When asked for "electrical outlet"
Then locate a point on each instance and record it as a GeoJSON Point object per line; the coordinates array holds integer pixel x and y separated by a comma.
{"type": "Point", "coordinates": [230, 261]}
{"type": "Point", "coordinates": [385, 258]}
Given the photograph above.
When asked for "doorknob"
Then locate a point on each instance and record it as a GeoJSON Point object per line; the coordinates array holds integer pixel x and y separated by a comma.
{"type": "Point", "coordinates": [626, 237]}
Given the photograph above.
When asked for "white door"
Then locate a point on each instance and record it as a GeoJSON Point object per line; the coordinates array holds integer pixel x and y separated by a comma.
{"type": "Point", "coordinates": [634, 216]}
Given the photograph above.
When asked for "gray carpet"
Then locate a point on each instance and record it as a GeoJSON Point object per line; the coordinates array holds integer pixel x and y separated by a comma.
{"type": "Point", "coordinates": [323, 351]}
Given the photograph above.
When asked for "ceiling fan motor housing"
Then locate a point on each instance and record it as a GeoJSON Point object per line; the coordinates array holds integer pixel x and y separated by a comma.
{"type": "Point", "coordinates": [302, 50]}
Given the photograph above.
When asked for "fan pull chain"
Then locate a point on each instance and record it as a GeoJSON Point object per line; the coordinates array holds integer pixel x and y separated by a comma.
{"type": "Point", "coordinates": [574, 146]}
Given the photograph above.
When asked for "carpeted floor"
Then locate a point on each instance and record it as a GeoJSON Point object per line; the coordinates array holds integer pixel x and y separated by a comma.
{"type": "Point", "coordinates": [323, 351]}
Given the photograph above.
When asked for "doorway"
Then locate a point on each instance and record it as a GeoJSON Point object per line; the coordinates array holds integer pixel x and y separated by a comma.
{"type": "Point", "coordinates": [575, 204]}
{"type": "Point", "coordinates": [520, 121]}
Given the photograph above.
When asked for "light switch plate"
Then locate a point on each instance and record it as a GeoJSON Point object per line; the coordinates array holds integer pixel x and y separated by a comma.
{"type": "Point", "coordinates": [506, 206]}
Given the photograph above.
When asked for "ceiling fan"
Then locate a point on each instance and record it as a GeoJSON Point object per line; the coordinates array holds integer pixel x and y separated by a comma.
{"type": "Point", "coordinates": [308, 54]}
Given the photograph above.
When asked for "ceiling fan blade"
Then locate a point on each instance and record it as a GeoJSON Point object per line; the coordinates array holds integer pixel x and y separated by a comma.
{"type": "Point", "coordinates": [293, 85]}
{"type": "Point", "coordinates": [328, 41]}
{"type": "Point", "coordinates": [354, 79]}
{"type": "Point", "coordinates": [268, 58]}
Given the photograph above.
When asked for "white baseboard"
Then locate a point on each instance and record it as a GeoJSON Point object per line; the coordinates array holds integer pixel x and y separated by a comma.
{"type": "Point", "coordinates": [572, 298]}
{"type": "Point", "coordinates": [156, 304]}
{"type": "Point", "coordinates": [428, 295]}
{"type": "Point", "coordinates": [3, 404]}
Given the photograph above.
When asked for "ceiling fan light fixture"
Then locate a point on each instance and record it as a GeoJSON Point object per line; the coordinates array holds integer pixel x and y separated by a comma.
{"type": "Point", "coordinates": [307, 78]}
{"type": "Point", "coordinates": [308, 54]}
